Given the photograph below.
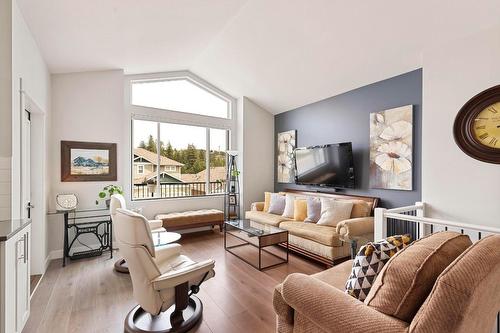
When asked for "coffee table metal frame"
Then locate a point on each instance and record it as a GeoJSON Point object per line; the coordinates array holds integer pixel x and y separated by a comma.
{"type": "Point", "coordinates": [264, 240]}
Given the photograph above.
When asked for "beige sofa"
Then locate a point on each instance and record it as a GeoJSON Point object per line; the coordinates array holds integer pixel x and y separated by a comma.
{"type": "Point", "coordinates": [451, 298]}
{"type": "Point", "coordinates": [326, 244]}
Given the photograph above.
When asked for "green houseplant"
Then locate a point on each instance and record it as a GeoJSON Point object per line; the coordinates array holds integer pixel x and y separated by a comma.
{"type": "Point", "coordinates": [107, 192]}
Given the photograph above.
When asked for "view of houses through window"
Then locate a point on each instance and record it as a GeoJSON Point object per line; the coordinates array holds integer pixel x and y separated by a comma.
{"type": "Point", "coordinates": [170, 160]}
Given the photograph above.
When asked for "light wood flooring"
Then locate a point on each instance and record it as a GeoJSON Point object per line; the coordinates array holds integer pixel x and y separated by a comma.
{"type": "Point", "coordinates": [88, 296]}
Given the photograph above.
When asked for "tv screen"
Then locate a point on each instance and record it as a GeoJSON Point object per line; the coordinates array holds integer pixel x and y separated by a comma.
{"type": "Point", "coordinates": [329, 165]}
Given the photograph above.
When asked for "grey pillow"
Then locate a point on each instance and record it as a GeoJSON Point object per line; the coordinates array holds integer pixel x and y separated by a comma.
{"type": "Point", "coordinates": [277, 204]}
{"type": "Point", "coordinates": [313, 210]}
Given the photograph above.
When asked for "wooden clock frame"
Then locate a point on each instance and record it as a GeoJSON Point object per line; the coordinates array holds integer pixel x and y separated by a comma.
{"type": "Point", "coordinates": [464, 123]}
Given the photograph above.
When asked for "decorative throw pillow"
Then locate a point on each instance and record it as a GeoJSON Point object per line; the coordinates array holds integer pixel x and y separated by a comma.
{"type": "Point", "coordinates": [360, 208]}
{"type": "Point", "coordinates": [313, 210]}
{"type": "Point", "coordinates": [333, 211]}
{"type": "Point", "coordinates": [369, 262]}
{"type": "Point", "coordinates": [277, 204]}
{"type": "Point", "coordinates": [300, 209]}
{"type": "Point", "coordinates": [267, 201]}
{"type": "Point", "coordinates": [289, 202]}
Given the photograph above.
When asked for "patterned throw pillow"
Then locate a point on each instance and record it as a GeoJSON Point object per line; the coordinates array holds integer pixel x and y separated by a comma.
{"type": "Point", "coordinates": [369, 262]}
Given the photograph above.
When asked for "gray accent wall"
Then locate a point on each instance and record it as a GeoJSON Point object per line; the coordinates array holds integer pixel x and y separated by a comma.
{"type": "Point", "coordinates": [346, 117]}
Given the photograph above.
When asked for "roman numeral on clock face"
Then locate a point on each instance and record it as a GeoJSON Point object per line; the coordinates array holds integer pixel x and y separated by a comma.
{"type": "Point", "coordinates": [493, 141]}
{"type": "Point", "coordinates": [481, 127]}
{"type": "Point", "coordinates": [483, 136]}
{"type": "Point", "coordinates": [492, 109]}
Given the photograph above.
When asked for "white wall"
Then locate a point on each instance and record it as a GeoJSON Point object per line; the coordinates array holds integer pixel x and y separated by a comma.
{"type": "Point", "coordinates": [5, 107]}
{"type": "Point", "coordinates": [85, 107]}
{"type": "Point", "coordinates": [27, 63]}
{"type": "Point", "coordinates": [456, 186]}
{"type": "Point", "coordinates": [256, 146]}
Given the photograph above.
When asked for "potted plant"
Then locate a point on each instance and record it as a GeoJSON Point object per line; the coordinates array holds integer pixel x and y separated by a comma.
{"type": "Point", "coordinates": [107, 192]}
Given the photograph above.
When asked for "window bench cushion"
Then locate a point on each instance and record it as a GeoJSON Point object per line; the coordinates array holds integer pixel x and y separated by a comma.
{"type": "Point", "coordinates": [191, 219]}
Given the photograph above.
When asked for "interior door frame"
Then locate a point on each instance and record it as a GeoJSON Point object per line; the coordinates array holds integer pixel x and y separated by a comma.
{"type": "Point", "coordinates": [39, 257]}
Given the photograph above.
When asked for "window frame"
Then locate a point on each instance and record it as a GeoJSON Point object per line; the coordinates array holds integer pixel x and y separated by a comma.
{"type": "Point", "coordinates": [159, 116]}
{"type": "Point", "coordinates": [139, 171]}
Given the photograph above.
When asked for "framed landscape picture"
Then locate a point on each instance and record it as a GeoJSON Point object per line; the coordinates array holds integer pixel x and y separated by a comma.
{"type": "Point", "coordinates": [88, 161]}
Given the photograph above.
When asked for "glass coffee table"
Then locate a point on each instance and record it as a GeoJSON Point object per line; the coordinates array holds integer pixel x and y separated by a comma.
{"type": "Point", "coordinates": [258, 236]}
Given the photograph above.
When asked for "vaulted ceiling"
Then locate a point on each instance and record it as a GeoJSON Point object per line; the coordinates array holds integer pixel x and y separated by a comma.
{"type": "Point", "coordinates": [280, 53]}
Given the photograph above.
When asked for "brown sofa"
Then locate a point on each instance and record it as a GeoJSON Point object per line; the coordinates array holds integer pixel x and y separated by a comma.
{"type": "Point", "coordinates": [326, 244]}
{"type": "Point", "coordinates": [463, 297]}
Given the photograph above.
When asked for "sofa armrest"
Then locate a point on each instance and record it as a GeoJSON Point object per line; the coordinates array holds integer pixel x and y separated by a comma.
{"type": "Point", "coordinates": [257, 206]}
{"type": "Point", "coordinates": [333, 310]}
{"type": "Point", "coordinates": [356, 229]}
{"type": "Point", "coordinates": [284, 313]}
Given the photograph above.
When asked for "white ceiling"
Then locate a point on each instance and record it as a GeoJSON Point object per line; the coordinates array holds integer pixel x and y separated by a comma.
{"type": "Point", "coordinates": [280, 53]}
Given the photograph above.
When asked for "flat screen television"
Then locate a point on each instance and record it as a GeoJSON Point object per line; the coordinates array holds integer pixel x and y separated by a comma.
{"type": "Point", "coordinates": [329, 165]}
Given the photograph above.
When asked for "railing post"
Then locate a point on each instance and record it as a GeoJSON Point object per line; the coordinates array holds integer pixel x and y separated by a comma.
{"type": "Point", "coordinates": [380, 227]}
{"type": "Point", "coordinates": [424, 229]}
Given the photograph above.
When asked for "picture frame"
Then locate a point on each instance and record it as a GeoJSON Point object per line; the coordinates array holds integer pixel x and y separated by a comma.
{"type": "Point", "coordinates": [88, 161]}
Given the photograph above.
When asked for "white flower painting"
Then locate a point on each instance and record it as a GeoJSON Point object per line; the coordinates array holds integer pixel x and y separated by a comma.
{"type": "Point", "coordinates": [391, 149]}
{"type": "Point", "coordinates": [286, 145]}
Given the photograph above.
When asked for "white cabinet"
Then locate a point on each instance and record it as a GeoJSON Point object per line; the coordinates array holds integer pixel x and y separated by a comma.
{"type": "Point", "coordinates": [15, 281]}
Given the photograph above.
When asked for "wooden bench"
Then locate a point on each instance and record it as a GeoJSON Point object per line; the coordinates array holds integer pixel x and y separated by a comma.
{"type": "Point", "coordinates": [192, 219]}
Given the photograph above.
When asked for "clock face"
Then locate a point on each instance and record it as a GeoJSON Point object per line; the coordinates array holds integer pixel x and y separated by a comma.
{"type": "Point", "coordinates": [477, 126]}
{"type": "Point", "coordinates": [486, 127]}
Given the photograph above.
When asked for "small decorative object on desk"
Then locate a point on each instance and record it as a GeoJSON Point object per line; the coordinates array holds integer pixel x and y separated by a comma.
{"type": "Point", "coordinates": [67, 201]}
{"type": "Point", "coordinates": [107, 192]}
{"type": "Point", "coordinates": [232, 195]}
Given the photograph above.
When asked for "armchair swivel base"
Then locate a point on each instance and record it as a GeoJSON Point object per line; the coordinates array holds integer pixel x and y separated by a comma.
{"type": "Point", "coordinates": [180, 317]}
{"type": "Point", "coordinates": [140, 321]}
{"type": "Point", "coordinates": [121, 266]}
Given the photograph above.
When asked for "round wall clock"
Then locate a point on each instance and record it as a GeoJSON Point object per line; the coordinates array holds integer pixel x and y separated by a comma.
{"type": "Point", "coordinates": [477, 126]}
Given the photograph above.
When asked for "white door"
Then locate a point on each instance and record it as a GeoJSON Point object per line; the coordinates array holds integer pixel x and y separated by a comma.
{"type": "Point", "coordinates": [25, 166]}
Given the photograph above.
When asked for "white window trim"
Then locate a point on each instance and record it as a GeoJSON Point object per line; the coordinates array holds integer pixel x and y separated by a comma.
{"type": "Point", "coordinates": [136, 112]}
{"type": "Point", "coordinates": [139, 171]}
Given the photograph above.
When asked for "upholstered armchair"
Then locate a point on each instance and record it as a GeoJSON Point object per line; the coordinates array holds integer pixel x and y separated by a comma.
{"type": "Point", "coordinates": [164, 280]}
{"type": "Point", "coordinates": [118, 201]}
{"type": "Point", "coordinates": [465, 296]}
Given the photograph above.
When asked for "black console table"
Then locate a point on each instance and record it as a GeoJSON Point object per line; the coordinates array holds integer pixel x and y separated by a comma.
{"type": "Point", "coordinates": [90, 221]}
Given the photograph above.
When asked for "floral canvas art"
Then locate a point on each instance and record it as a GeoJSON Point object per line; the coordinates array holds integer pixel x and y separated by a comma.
{"type": "Point", "coordinates": [286, 145]}
{"type": "Point", "coordinates": [391, 149]}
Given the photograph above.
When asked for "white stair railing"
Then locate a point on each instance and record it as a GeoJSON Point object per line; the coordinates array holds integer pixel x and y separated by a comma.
{"type": "Point", "coordinates": [427, 225]}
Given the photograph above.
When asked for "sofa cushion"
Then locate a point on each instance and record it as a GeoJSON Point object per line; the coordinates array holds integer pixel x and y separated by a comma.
{"type": "Point", "coordinates": [407, 279]}
{"type": "Point", "coordinates": [369, 261]}
{"type": "Point", "coordinates": [322, 234]}
{"type": "Point", "coordinates": [337, 275]}
{"type": "Point", "coordinates": [333, 211]}
{"type": "Point", "coordinates": [360, 208]}
{"type": "Point", "coordinates": [289, 206]}
{"type": "Point", "coordinates": [313, 209]}
{"type": "Point", "coordinates": [277, 205]}
{"type": "Point", "coordinates": [267, 200]}
{"type": "Point", "coordinates": [299, 210]}
{"type": "Point", "coordinates": [265, 218]}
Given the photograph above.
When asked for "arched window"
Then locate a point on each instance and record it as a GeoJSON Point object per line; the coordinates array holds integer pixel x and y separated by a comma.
{"type": "Point", "coordinates": [183, 95]}
{"type": "Point", "coordinates": [181, 129]}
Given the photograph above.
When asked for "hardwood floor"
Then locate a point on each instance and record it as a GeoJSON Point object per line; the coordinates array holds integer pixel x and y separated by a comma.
{"type": "Point", "coordinates": [89, 296]}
